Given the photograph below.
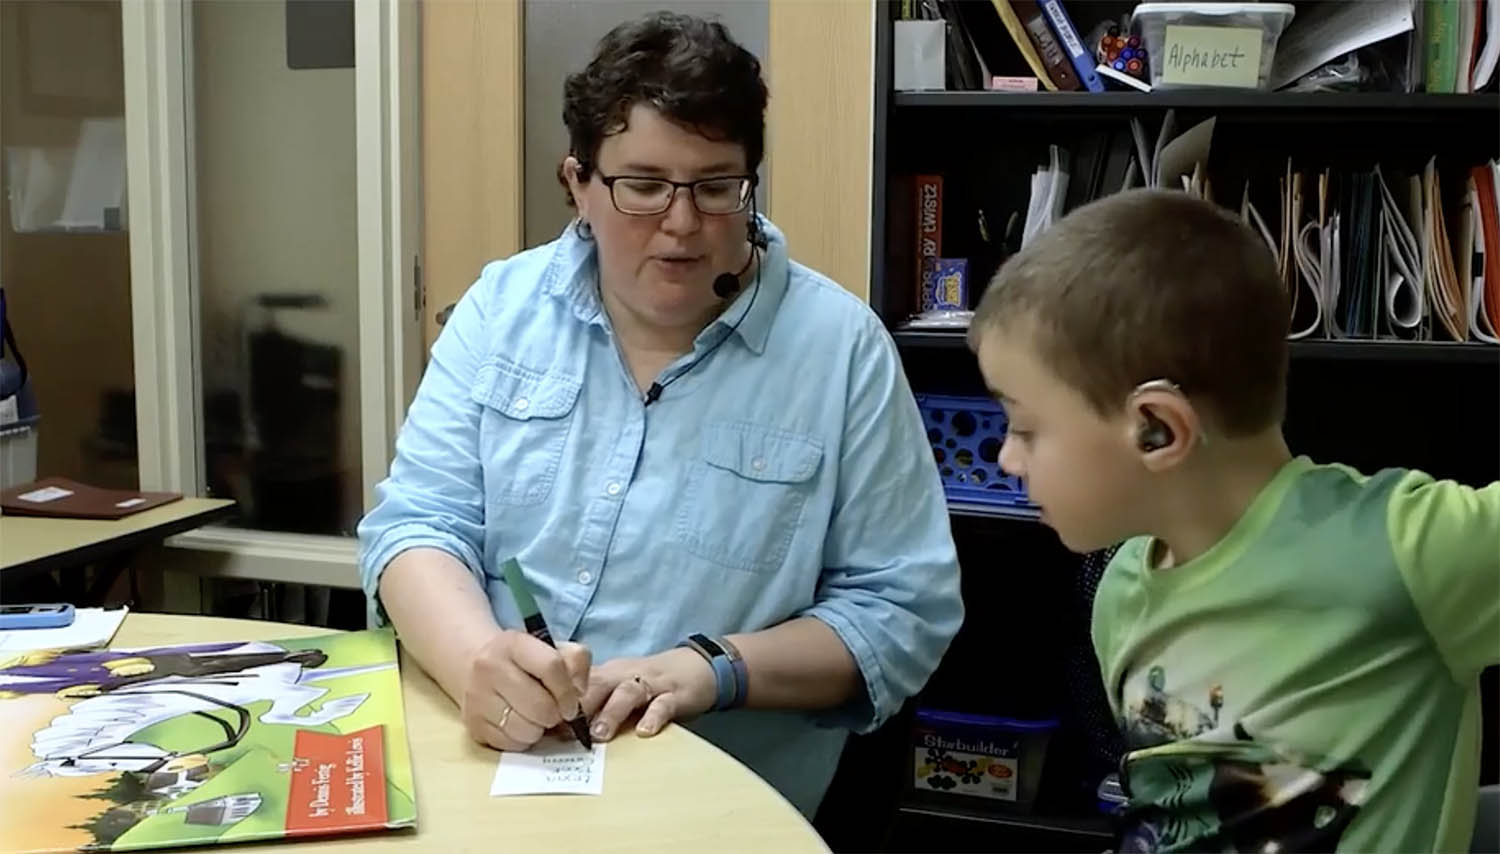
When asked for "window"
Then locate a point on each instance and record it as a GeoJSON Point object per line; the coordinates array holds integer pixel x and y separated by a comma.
{"type": "Point", "coordinates": [274, 246]}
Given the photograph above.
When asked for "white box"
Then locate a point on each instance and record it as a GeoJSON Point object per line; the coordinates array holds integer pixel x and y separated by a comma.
{"type": "Point", "coordinates": [918, 54]}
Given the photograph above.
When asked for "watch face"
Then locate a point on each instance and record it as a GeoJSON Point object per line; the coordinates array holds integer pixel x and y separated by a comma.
{"type": "Point", "coordinates": [708, 644]}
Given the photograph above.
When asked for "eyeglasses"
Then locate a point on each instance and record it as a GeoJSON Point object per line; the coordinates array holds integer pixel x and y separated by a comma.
{"type": "Point", "coordinates": [641, 196]}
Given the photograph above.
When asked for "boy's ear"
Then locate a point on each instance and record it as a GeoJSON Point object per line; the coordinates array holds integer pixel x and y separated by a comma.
{"type": "Point", "coordinates": [1165, 426]}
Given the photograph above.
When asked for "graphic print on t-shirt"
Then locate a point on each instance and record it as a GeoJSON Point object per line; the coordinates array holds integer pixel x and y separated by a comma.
{"type": "Point", "coordinates": [1199, 786]}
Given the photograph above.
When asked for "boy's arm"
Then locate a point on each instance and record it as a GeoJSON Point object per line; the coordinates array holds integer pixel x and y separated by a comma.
{"type": "Point", "coordinates": [1446, 540]}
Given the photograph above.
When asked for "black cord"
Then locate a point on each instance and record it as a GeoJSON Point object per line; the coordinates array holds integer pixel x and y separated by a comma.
{"type": "Point", "coordinates": [653, 393]}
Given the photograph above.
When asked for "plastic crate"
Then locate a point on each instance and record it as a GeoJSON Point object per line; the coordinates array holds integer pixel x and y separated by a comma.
{"type": "Point", "coordinates": [966, 435]}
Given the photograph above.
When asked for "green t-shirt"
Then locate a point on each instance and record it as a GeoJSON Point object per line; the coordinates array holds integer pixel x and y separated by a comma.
{"type": "Point", "coordinates": [1311, 682]}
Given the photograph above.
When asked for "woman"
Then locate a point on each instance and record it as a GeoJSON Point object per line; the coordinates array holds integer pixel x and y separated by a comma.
{"type": "Point", "coordinates": [705, 457]}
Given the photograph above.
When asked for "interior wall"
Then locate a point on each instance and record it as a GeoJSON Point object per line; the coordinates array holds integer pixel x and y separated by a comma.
{"type": "Point", "coordinates": [276, 196]}
{"type": "Point", "coordinates": [471, 144]}
{"type": "Point", "coordinates": [818, 56]}
{"type": "Point", "coordinates": [560, 39]}
{"type": "Point", "coordinates": [820, 126]}
{"type": "Point", "coordinates": [67, 294]}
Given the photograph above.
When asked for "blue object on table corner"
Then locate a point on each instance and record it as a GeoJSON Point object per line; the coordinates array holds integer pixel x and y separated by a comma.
{"type": "Point", "coordinates": [49, 616]}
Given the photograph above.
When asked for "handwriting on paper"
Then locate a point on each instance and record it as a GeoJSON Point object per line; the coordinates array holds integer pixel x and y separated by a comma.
{"type": "Point", "coordinates": [1212, 56]}
{"type": "Point", "coordinates": [551, 767]}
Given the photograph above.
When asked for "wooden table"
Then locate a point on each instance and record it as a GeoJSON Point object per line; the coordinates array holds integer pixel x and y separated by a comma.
{"type": "Point", "coordinates": [673, 792]}
{"type": "Point", "coordinates": [35, 544]}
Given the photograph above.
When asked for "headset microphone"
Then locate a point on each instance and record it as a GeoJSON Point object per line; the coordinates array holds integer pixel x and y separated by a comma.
{"type": "Point", "coordinates": [725, 284]}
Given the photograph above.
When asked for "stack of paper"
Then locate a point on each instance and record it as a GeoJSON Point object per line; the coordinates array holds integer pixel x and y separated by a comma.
{"type": "Point", "coordinates": [1380, 257]}
{"type": "Point", "coordinates": [1178, 160]}
{"type": "Point", "coordinates": [1049, 189]}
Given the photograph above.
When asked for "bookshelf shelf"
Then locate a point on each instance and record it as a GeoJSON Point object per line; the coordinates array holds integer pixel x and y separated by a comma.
{"type": "Point", "coordinates": [1090, 827]}
{"type": "Point", "coordinates": [1409, 105]}
{"type": "Point", "coordinates": [985, 511]}
{"type": "Point", "coordinates": [1403, 351]}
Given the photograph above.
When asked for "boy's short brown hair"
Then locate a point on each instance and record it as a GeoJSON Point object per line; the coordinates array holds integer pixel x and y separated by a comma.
{"type": "Point", "coordinates": [1151, 284]}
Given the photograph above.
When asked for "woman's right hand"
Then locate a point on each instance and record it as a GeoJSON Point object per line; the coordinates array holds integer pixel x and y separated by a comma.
{"type": "Point", "coordinates": [517, 687]}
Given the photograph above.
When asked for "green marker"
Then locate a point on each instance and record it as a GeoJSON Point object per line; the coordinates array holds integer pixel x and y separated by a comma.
{"type": "Point", "coordinates": [537, 628]}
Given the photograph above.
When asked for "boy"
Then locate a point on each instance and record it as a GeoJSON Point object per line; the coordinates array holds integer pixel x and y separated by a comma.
{"type": "Point", "coordinates": [1292, 650]}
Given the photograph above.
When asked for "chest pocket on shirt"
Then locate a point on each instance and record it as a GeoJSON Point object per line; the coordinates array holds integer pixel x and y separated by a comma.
{"type": "Point", "coordinates": [523, 429]}
{"type": "Point", "coordinates": [744, 496]}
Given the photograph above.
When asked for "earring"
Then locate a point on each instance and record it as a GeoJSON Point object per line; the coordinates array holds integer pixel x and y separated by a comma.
{"type": "Point", "coordinates": [582, 228]}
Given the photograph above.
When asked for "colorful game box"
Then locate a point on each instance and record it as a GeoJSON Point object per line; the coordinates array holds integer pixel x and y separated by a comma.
{"type": "Point", "coordinates": [945, 284]}
{"type": "Point", "coordinates": [979, 756]}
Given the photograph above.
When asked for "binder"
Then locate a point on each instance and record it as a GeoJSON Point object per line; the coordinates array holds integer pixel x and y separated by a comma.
{"type": "Point", "coordinates": [1082, 58]}
{"type": "Point", "coordinates": [60, 498]}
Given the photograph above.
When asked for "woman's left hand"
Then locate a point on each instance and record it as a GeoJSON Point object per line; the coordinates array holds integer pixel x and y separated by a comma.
{"type": "Point", "coordinates": [674, 685]}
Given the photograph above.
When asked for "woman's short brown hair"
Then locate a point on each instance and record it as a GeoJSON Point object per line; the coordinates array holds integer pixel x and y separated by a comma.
{"type": "Point", "coordinates": [1152, 284]}
{"type": "Point", "coordinates": [687, 68]}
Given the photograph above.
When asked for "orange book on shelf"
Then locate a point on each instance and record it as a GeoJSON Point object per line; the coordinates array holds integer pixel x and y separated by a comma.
{"type": "Point", "coordinates": [1484, 177]}
{"type": "Point", "coordinates": [1448, 298]}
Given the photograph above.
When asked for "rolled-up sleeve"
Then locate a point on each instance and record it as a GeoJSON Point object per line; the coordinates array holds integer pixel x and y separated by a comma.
{"type": "Point", "coordinates": [890, 583]}
{"type": "Point", "coordinates": [434, 494]}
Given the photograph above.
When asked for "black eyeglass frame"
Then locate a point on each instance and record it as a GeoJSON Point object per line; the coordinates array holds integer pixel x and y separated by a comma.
{"type": "Point", "coordinates": [747, 192]}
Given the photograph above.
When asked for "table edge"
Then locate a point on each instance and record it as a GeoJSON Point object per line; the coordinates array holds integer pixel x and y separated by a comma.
{"type": "Point", "coordinates": [125, 541]}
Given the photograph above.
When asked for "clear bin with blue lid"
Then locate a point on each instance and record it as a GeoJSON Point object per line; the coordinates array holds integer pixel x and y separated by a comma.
{"type": "Point", "coordinates": [1244, 28]}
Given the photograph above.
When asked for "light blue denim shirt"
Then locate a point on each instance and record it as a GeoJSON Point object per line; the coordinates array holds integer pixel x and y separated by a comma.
{"type": "Point", "coordinates": [787, 475]}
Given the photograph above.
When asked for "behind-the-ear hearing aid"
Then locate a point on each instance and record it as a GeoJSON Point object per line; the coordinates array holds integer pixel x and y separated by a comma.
{"type": "Point", "coordinates": [1154, 433]}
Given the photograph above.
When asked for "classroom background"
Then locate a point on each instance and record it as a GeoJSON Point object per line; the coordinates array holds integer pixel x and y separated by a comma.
{"type": "Point", "coordinates": [232, 228]}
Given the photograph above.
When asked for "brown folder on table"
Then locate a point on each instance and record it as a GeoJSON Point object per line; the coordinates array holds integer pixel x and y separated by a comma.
{"type": "Point", "coordinates": [61, 498]}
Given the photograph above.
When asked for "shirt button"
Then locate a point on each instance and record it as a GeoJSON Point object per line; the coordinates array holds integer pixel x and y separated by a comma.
{"type": "Point", "coordinates": [758, 464]}
{"type": "Point", "coordinates": [613, 488]}
{"type": "Point", "coordinates": [521, 403]}
{"type": "Point", "coordinates": [584, 576]}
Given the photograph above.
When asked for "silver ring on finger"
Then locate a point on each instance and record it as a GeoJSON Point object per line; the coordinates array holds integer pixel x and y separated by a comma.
{"type": "Point", "coordinates": [505, 717]}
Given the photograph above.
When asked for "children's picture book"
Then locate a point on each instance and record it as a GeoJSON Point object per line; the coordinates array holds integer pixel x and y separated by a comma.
{"type": "Point", "coordinates": [197, 744]}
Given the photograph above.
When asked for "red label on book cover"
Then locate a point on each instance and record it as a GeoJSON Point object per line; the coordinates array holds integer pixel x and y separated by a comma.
{"type": "Point", "coordinates": [338, 782]}
{"type": "Point", "coordinates": [929, 222]}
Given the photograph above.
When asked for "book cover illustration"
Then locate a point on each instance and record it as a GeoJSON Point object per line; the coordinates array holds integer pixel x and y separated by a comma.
{"type": "Point", "coordinates": [195, 744]}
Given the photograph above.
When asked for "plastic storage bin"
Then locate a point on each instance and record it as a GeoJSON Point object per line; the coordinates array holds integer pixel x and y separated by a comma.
{"type": "Point", "coordinates": [982, 760]}
{"type": "Point", "coordinates": [1153, 19]}
{"type": "Point", "coordinates": [966, 435]}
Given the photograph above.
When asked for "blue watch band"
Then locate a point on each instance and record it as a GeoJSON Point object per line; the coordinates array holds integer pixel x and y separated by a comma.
{"type": "Point", "coordinates": [741, 673]}
{"type": "Point", "coordinates": [730, 677]}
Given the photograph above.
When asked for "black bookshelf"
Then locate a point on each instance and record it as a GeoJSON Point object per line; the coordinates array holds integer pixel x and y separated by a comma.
{"type": "Point", "coordinates": [1348, 349]}
{"type": "Point", "coordinates": [1335, 105]}
{"type": "Point", "coordinates": [1369, 403]}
